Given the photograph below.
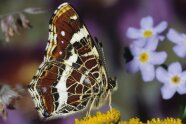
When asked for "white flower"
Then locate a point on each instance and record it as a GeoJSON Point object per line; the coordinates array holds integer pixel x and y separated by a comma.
{"type": "Point", "coordinates": [147, 32]}
{"type": "Point", "coordinates": [180, 40]}
{"type": "Point", "coordinates": [7, 95]}
{"type": "Point", "coordinates": [144, 60]}
{"type": "Point", "coordinates": [174, 80]}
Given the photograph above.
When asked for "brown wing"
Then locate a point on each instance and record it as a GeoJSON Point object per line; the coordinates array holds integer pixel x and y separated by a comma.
{"type": "Point", "coordinates": [66, 30]}
{"type": "Point", "coordinates": [71, 74]}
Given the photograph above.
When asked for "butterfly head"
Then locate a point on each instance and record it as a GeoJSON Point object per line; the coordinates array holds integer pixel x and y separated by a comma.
{"type": "Point", "coordinates": [112, 83]}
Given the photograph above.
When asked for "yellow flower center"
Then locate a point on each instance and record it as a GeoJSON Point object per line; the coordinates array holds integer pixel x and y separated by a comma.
{"type": "Point", "coordinates": [147, 33]}
{"type": "Point", "coordinates": [175, 79]}
{"type": "Point", "coordinates": [144, 57]}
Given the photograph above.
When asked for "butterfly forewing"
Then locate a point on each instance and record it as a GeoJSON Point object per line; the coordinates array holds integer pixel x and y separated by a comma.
{"type": "Point", "coordinates": [71, 74]}
{"type": "Point", "coordinates": [66, 30]}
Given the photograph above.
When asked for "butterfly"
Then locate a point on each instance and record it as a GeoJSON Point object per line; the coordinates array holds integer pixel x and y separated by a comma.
{"type": "Point", "coordinates": [72, 76]}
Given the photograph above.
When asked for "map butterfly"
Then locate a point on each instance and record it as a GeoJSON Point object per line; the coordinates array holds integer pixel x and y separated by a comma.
{"type": "Point", "coordinates": [72, 76]}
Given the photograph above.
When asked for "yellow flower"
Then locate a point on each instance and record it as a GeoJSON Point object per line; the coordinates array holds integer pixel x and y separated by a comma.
{"type": "Point", "coordinates": [153, 121]}
{"type": "Point", "coordinates": [113, 117]}
{"type": "Point", "coordinates": [131, 121]}
{"type": "Point", "coordinates": [165, 121]}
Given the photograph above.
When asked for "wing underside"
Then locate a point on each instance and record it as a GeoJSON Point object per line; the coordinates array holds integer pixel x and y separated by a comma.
{"type": "Point", "coordinates": [71, 74]}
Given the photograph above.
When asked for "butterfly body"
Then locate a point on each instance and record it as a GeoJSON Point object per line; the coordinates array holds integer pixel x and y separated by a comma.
{"type": "Point", "coordinates": [73, 73]}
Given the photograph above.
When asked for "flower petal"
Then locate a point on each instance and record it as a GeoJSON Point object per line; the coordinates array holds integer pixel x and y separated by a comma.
{"type": "Point", "coordinates": [182, 89]}
{"type": "Point", "coordinates": [180, 50]}
{"type": "Point", "coordinates": [152, 43]}
{"type": "Point", "coordinates": [167, 91]}
{"type": "Point", "coordinates": [135, 50]}
{"type": "Point", "coordinates": [140, 42]}
{"type": "Point", "coordinates": [183, 36]}
{"type": "Point", "coordinates": [183, 76]}
{"type": "Point", "coordinates": [161, 27]}
{"type": "Point", "coordinates": [133, 33]}
{"type": "Point", "coordinates": [162, 75]}
{"type": "Point", "coordinates": [132, 66]}
{"type": "Point", "coordinates": [175, 68]}
{"type": "Point", "coordinates": [147, 71]}
{"type": "Point", "coordinates": [157, 58]}
{"type": "Point", "coordinates": [174, 37]}
{"type": "Point", "coordinates": [146, 22]}
{"type": "Point", "coordinates": [161, 38]}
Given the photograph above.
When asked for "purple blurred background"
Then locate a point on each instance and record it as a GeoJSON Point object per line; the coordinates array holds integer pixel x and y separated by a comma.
{"type": "Point", "coordinates": [107, 20]}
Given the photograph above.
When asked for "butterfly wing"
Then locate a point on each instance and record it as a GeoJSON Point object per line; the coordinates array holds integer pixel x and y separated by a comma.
{"type": "Point", "coordinates": [66, 30]}
{"type": "Point", "coordinates": [72, 73]}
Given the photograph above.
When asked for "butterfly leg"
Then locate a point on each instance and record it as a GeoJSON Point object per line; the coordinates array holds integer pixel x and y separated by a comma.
{"type": "Point", "coordinates": [91, 106]}
{"type": "Point", "coordinates": [109, 96]}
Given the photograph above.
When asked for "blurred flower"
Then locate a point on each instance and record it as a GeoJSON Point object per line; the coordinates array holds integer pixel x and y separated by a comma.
{"type": "Point", "coordinates": [23, 21]}
{"type": "Point", "coordinates": [174, 80]}
{"type": "Point", "coordinates": [34, 11]}
{"type": "Point", "coordinates": [8, 27]}
{"type": "Point", "coordinates": [111, 117]}
{"type": "Point", "coordinates": [147, 31]}
{"type": "Point", "coordinates": [7, 99]}
{"type": "Point", "coordinates": [11, 24]}
{"type": "Point", "coordinates": [144, 60]}
{"type": "Point", "coordinates": [180, 40]}
{"type": "Point", "coordinates": [3, 111]}
{"type": "Point", "coordinates": [7, 94]}
{"type": "Point", "coordinates": [132, 14]}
